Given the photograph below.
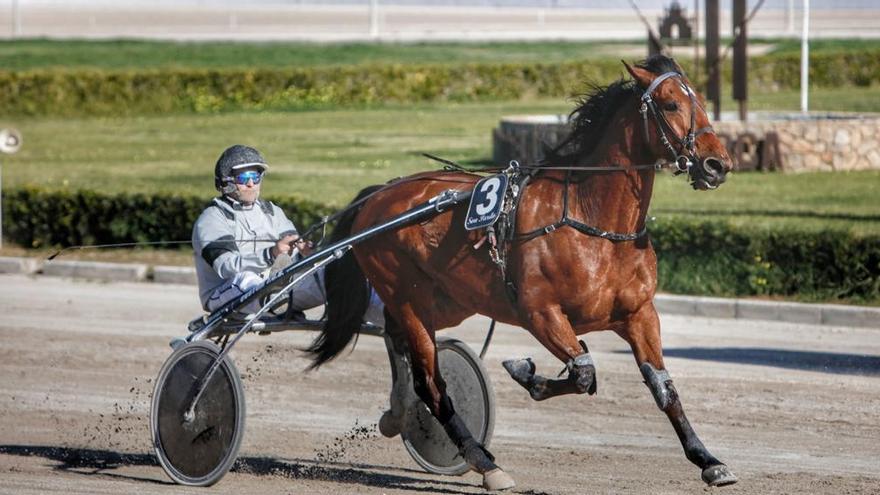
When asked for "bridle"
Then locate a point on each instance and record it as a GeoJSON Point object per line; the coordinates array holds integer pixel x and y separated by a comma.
{"type": "Point", "coordinates": [682, 161]}
{"type": "Point", "coordinates": [686, 158]}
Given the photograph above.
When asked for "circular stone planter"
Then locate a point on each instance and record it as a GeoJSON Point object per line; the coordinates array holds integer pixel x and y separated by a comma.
{"type": "Point", "coordinates": [790, 142]}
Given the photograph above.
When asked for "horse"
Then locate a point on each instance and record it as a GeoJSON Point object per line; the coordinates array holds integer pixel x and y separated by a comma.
{"type": "Point", "coordinates": [578, 265]}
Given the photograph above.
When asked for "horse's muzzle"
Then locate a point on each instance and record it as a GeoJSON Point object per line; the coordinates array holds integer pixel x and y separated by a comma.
{"type": "Point", "coordinates": [709, 174]}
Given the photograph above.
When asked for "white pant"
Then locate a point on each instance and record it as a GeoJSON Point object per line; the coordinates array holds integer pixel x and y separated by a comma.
{"type": "Point", "coordinates": [309, 293]}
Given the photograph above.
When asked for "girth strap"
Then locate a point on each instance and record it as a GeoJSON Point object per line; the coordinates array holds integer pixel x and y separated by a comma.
{"type": "Point", "coordinates": [579, 226]}
{"type": "Point", "coordinates": [584, 229]}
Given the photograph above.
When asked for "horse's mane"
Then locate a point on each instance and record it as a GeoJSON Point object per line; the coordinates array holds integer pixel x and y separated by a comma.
{"type": "Point", "coordinates": [595, 108]}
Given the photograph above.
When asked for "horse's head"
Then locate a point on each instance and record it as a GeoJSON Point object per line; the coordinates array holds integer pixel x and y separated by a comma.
{"type": "Point", "coordinates": [675, 124]}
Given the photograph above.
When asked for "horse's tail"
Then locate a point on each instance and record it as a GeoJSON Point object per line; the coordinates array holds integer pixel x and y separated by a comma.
{"type": "Point", "coordinates": [348, 294]}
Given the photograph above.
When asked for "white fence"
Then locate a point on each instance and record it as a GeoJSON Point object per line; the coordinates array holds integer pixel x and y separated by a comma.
{"type": "Point", "coordinates": [406, 20]}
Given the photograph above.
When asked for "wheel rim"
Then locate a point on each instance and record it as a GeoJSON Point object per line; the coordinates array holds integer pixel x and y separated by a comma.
{"type": "Point", "coordinates": [201, 451]}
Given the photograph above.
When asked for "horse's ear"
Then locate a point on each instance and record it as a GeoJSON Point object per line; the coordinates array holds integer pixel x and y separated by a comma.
{"type": "Point", "coordinates": [643, 77]}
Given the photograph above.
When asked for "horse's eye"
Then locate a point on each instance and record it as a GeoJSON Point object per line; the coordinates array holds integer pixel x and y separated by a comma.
{"type": "Point", "coordinates": [670, 106]}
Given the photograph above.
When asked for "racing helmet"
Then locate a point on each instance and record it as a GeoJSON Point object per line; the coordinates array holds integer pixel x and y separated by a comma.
{"type": "Point", "coordinates": [233, 158]}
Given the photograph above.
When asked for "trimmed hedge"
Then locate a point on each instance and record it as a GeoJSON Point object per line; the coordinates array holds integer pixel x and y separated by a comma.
{"type": "Point", "coordinates": [203, 91]}
{"type": "Point", "coordinates": [36, 218]}
{"type": "Point", "coordinates": [827, 70]}
{"type": "Point", "coordinates": [716, 258]}
{"type": "Point", "coordinates": [695, 257]}
{"type": "Point", "coordinates": [94, 92]}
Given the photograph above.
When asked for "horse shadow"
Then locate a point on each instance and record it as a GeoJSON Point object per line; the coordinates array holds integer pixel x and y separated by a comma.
{"type": "Point", "coordinates": [825, 362]}
{"type": "Point", "coordinates": [90, 462]}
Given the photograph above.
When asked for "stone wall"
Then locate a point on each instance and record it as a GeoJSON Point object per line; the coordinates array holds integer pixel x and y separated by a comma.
{"type": "Point", "coordinates": [786, 142]}
{"type": "Point", "coordinates": [824, 142]}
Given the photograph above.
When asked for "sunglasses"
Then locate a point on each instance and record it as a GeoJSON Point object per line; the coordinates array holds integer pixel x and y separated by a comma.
{"type": "Point", "coordinates": [250, 175]}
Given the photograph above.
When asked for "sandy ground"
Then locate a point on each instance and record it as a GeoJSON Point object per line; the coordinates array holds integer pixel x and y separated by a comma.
{"type": "Point", "coordinates": [790, 408]}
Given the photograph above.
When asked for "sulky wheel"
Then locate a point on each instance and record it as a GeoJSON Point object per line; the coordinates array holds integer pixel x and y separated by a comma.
{"type": "Point", "coordinates": [197, 452]}
{"type": "Point", "coordinates": [468, 385]}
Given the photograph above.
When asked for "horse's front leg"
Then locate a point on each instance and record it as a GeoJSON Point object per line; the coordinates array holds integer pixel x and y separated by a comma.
{"type": "Point", "coordinates": [553, 330]}
{"type": "Point", "coordinates": [643, 334]}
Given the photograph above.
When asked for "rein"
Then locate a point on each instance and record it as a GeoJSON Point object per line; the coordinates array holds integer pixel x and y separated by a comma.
{"type": "Point", "coordinates": [565, 220]}
{"type": "Point", "coordinates": [452, 166]}
{"type": "Point", "coordinates": [681, 162]}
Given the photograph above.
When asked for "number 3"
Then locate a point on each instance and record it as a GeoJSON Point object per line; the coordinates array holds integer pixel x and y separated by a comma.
{"type": "Point", "coordinates": [490, 189]}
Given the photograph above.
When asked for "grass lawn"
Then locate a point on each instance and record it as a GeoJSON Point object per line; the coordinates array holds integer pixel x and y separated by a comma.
{"type": "Point", "coordinates": [130, 54]}
{"type": "Point", "coordinates": [329, 155]}
{"type": "Point", "coordinates": [793, 46]}
{"type": "Point", "coordinates": [322, 155]}
{"type": "Point", "coordinates": [823, 99]}
{"type": "Point", "coordinates": [822, 200]}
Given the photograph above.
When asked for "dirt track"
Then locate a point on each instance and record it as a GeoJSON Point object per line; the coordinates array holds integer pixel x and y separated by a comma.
{"type": "Point", "coordinates": [790, 408]}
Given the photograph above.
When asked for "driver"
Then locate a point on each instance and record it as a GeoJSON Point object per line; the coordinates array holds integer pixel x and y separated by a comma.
{"type": "Point", "coordinates": [239, 238]}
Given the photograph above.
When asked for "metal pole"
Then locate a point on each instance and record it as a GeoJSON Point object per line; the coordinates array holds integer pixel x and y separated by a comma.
{"type": "Point", "coordinates": [16, 19]}
{"type": "Point", "coordinates": [740, 58]}
{"type": "Point", "coordinates": [189, 414]}
{"type": "Point", "coordinates": [713, 62]}
{"type": "Point", "coordinates": [789, 18]}
{"type": "Point", "coordinates": [805, 60]}
{"type": "Point", "coordinates": [696, 35]}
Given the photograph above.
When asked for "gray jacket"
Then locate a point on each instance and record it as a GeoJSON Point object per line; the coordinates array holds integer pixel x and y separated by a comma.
{"type": "Point", "coordinates": [229, 238]}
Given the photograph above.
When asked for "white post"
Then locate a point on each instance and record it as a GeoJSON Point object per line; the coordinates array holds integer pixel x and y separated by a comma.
{"type": "Point", "coordinates": [16, 19]}
{"type": "Point", "coordinates": [789, 18]}
{"type": "Point", "coordinates": [805, 59]}
{"type": "Point", "coordinates": [10, 141]}
{"type": "Point", "coordinates": [374, 19]}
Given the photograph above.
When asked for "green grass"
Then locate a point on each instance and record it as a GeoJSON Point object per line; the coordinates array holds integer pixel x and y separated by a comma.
{"type": "Point", "coordinates": [329, 155]}
{"type": "Point", "coordinates": [793, 46]}
{"type": "Point", "coordinates": [128, 54]}
{"type": "Point", "coordinates": [855, 99]}
{"type": "Point", "coordinates": [321, 155]}
{"type": "Point", "coordinates": [815, 201]}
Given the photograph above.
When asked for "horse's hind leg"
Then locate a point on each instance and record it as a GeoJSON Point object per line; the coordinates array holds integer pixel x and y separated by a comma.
{"type": "Point", "coordinates": [554, 331]}
{"type": "Point", "coordinates": [643, 335]}
{"type": "Point", "coordinates": [430, 387]}
{"type": "Point", "coordinates": [390, 424]}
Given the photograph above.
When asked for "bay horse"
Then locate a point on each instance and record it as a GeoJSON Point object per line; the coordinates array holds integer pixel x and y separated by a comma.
{"type": "Point", "coordinates": [593, 270]}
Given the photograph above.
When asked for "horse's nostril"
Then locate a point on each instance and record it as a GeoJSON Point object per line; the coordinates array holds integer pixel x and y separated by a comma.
{"type": "Point", "coordinates": [713, 166]}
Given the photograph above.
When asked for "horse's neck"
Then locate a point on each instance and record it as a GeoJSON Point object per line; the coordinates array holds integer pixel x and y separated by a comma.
{"type": "Point", "coordinates": [616, 201]}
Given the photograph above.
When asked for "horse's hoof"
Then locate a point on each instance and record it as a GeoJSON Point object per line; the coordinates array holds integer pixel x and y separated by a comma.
{"type": "Point", "coordinates": [389, 426]}
{"type": "Point", "coordinates": [497, 479]}
{"type": "Point", "coordinates": [718, 475]}
{"type": "Point", "coordinates": [521, 370]}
